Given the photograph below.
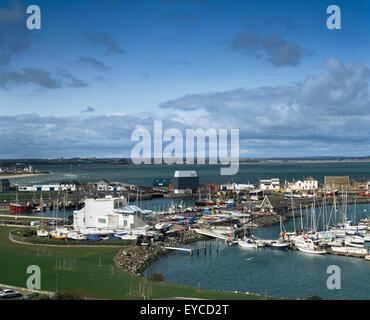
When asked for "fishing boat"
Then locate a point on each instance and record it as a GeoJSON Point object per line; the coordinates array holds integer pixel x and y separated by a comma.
{"type": "Point", "coordinates": [367, 257]}
{"type": "Point", "coordinates": [16, 208]}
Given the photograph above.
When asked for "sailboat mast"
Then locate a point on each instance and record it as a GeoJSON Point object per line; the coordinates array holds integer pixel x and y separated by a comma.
{"type": "Point", "coordinates": [291, 198]}
{"type": "Point", "coordinates": [335, 210]}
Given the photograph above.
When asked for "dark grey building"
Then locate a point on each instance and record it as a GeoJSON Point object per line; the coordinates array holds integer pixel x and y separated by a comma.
{"type": "Point", "coordinates": [184, 181]}
{"type": "Point", "coordinates": [4, 185]}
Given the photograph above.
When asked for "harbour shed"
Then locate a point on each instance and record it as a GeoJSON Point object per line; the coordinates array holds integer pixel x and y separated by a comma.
{"type": "Point", "coordinates": [185, 181]}
{"type": "Point", "coordinates": [336, 181]}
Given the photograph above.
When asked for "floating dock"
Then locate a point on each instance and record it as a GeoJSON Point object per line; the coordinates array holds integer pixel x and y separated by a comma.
{"type": "Point", "coordinates": [179, 249]}
{"type": "Point", "coordinates": [211, 234]}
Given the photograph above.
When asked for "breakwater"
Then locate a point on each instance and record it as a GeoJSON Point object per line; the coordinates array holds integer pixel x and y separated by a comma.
{"type": "Point", "coordinates": [136, 259]}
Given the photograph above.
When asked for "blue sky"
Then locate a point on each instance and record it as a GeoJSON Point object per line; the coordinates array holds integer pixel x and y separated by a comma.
{"type": "Point", "coordinates": [98, 69]}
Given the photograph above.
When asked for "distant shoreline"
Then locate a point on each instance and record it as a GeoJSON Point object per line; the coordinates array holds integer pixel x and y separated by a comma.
{"type": "Point", "coordinates": [306, 161]}
{"type": "Point", "coordinates": [21, 175]}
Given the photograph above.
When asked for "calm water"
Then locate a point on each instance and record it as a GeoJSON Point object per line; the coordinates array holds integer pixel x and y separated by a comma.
{"type": "Point", "coordinates": [289, 274]}
{"type": "Point", "coordinates": [144, 175]}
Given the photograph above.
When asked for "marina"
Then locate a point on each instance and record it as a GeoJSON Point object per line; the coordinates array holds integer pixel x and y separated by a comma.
{"type": "Point", "coordinates": [284, 273]}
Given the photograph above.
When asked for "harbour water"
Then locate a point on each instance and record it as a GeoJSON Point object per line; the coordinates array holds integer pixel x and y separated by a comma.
{"type": "Point", "coordinates": [287, 274]}
{"type": "Point", "coordinates": [248, 172]}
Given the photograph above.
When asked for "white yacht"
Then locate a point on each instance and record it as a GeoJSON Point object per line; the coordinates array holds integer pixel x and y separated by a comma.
{"type": "Point", "coordinates": [305, 244]}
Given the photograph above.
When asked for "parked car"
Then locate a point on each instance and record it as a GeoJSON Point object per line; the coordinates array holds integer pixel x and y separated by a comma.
{"type": "Point", "coordinates": [8, 293]}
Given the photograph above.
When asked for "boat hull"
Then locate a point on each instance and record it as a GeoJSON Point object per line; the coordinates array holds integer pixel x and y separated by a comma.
{"type": "Point", "coordinates": [18, 208]}
{"type": "Point", "coordinates": [247, 245]}
{"type": "Point", "coordinates": [311, 251]}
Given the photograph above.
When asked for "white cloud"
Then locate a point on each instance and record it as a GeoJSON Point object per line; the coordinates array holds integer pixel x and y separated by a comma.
{"type": "Point", "coordinates": [325, 114]}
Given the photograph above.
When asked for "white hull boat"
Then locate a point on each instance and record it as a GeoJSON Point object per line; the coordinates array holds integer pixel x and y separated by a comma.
{"type": "Point", "coordinates": [76, 236]}
{"type": "Point", "coordinates": [162, 226]}
{"type": "Point", "coordinates": [279, 245]}
{"type": "Point", "coordinates": [311, 251]}
{"type": "Point", "coordinates": [247, 243]}
{"type": "Point", "coordinates": [306, 245]}
{"type": "Point", "coordinates": [96, 232]}
{"type": "Point", "coordinates": [125, 236]}
{"type": "Point", "coordinates": [42, 233]}
{"type": "Point", "coordinates": [352, 244]}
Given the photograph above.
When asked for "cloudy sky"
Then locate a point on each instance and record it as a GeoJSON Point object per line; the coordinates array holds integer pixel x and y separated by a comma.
{"type": "Point", "coordinates": [99, 69]}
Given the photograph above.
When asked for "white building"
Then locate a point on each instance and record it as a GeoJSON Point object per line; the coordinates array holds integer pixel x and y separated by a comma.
{"type": "Point", "coordinates": [107, 213]}
{"type": "Point", "coordinates": [67, 186]}
{"type": "Point", "coordinates": [102, 185]}
{"type": "Point", "coordinates": [237, 187]}
{"type": "Point", "coordinates": [310, 184]}
{"type": "Point", "coordinates": [367, 186]}
{"type": "Point", "coordinates": [48, 187]}
{"type": "Point", "coordinates": [40, 188]}
{"type": "Point", "coordinates": [106, 186]}
{"type": "Point", "coordinates": [270, 184]}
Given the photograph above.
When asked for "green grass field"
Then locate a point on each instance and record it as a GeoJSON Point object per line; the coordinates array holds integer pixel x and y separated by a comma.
{"type": "Point", "coordinates": [92, 273]}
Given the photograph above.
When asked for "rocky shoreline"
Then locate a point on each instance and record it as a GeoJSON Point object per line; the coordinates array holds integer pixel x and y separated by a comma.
{"type": "Point", "coordinates": [135, 260]}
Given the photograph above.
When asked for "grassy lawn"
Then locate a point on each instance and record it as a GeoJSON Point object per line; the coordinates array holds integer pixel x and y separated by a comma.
{"type": "Point", "coordinates": [92, 273]}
